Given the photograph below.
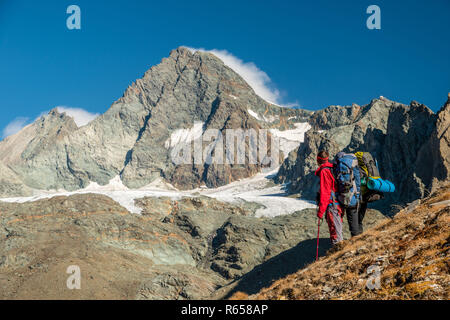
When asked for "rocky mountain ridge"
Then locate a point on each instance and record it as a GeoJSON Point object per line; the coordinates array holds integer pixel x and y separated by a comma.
{"type": "Point", "coordinates": [130, 139]}
{"type": "Point", "coordinates": [410, 143]}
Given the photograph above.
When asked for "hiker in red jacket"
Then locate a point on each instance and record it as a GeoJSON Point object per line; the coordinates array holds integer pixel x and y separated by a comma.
{"type": "Point", "coordinates": [328, 205]}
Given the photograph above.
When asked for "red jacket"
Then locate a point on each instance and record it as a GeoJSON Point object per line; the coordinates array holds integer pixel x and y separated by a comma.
{"type": "Point", "coordinates": [327, 185]}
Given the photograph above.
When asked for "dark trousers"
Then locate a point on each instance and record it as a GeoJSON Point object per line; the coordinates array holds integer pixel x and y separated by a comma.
{"type": "Point", "coordinates": [355, 216]}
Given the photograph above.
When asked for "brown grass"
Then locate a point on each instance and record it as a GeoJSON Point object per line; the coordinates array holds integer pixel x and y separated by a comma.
{"type": "Point", "coordinates": [411, 250]}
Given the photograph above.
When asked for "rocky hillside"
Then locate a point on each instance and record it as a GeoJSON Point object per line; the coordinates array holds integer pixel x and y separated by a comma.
{"type": "Point", "coordinates": [172, 104]}
{"type": "Point", "coordinates": [410, 143]}
{"type": "Point", "coordinates": [191, 248]}
{"type": "Point", "coordinates": [406, 257]}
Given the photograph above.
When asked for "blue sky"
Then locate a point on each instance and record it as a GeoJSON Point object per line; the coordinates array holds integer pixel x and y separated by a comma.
{"type": "Point", "coordinates": [316, 53]}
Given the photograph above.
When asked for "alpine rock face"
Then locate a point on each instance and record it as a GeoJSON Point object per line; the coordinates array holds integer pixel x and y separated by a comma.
{"type": "Point", "coordinates": [174, 124]}
{"type": "Point", "coordinates": [175, 102]}
{"type": "Point", "coordinates": [410, 143]}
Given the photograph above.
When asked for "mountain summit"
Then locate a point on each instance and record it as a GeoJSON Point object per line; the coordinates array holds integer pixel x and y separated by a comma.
{"type": "Point", "coordinates": [176, 100]}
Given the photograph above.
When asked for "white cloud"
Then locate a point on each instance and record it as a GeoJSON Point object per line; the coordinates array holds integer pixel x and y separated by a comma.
{"type": "Point", "coordinates": [80, 116]}
{"type": "Point", "coordinates": [255, 77]}
{"type": "Point", "coordinates": [15, 126]}
{"type": "Point", "coordinates": [291, 104]}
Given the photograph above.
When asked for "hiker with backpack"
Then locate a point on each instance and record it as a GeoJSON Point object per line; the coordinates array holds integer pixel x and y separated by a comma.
{"type": "Point", "coordinates": [358, 183]}
{"type": "Point", "coordinates": [348, 184]}
{"type": "Point", "coordinates": [348, 181]}
{"type": "Point", "coordinates": [326, 198]}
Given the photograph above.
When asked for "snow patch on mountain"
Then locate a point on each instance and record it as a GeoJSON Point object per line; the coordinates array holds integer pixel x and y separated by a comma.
{"type": "Point", "coordinates": [291, 138]}
{"type": "Point", "coordinates": [273, 199]}
{"type": "Point", "coordinates": [254, 189]}
{"type": "Point", "coordinates": [254, 114]}
{"type": "Point", "coordinates": [264, 118]}
{"type": "Point", "coordinates": [297, 134]}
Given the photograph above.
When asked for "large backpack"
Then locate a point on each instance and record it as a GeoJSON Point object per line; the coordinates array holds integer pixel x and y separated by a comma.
{"type": "Point", "coordinates": [348, 179]}
{"type": "Point", "coordinates": [368, 168]}
{"type": "Point", "coordinates": [368, 165]}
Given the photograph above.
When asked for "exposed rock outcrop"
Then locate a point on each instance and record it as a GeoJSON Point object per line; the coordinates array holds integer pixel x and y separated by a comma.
{"type": "Point", "coordinates": [20, 154]}
{"type": "Point", "coordinates": [439, 149]}
{"type": "Point", "coordinates": [335, 116]}
{"type": "Point", "coordinates": [410, 143]}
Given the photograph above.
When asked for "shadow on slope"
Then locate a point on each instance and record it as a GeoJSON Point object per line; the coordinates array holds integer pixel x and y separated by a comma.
{"type": "Point", "coordinates": [283, 264]}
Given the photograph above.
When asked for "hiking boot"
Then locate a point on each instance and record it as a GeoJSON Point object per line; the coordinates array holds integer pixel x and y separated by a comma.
{"type": "Point", "coordinates": [336, 247]}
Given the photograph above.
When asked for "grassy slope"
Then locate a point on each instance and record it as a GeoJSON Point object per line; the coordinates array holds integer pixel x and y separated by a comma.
{"type": "Point", "coordinates": [411, 251]}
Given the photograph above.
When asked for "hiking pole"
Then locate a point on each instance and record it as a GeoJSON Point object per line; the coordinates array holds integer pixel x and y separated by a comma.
{"type": "Point", "coordinates": [318, 233]}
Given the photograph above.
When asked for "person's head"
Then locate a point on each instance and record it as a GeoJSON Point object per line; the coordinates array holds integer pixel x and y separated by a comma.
{"type": "Point", "coordinates": [322, 157]}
